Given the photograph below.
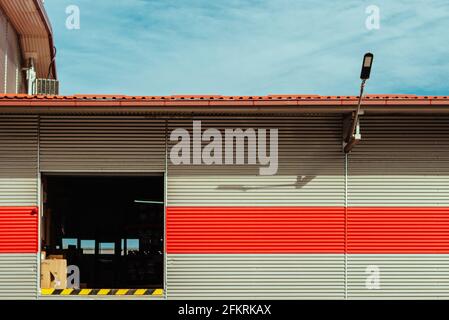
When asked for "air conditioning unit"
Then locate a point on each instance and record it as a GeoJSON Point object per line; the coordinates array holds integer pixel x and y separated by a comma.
{"type": "Point", "coordinates": [46, 87]}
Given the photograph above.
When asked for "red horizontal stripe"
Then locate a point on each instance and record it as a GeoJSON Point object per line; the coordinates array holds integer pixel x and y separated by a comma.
{"type": "Point", "coordinates": [273, 230]}
{"type": "Point", "coordinates": [307, 230]}
{"type": "Point", "coordinates": [255, 229]}
{"type": "Point", "coordinates": [398, 230]}
{"type": "Point", "coordinates": [18, 229]}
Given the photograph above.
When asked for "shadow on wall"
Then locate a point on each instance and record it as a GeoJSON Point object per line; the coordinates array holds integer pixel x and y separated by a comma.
{"type": "Point", "coordinates": [301, 181]}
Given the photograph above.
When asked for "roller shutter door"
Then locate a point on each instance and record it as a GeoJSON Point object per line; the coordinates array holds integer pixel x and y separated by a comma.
{"type": "Point", "coordinates": [102, 144]}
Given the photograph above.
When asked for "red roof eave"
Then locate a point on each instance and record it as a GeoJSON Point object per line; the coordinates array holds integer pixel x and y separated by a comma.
{"type": "Point", "coordinates": [217, 103]}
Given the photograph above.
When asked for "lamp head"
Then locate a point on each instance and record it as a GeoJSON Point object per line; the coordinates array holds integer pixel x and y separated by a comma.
{"type": "Point", "coordinates": [366, 66]}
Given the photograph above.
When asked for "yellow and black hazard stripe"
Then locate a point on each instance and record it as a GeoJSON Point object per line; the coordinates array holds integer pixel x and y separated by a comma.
{"type": "Point", "coordinates": [102, 292]}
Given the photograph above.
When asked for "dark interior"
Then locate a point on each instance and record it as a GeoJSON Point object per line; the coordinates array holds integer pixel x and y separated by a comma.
{"type": "Point", "coordinates": [111, 227]}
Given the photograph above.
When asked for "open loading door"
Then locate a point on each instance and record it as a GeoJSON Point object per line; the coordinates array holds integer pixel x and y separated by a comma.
{"type": "Point", "coordinates": [102, 235]}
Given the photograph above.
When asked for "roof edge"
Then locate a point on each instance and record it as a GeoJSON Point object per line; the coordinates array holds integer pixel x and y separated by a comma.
{"type": "Point", "coordinates": [44, 17]}
{"type": "Point", "coordinates": [386, 98]}
{"type": "Point", "coordinates": [215, 104]}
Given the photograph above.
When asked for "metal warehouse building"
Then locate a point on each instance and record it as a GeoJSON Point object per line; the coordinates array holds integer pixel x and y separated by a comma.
{"type": "Point", "coordinates": [372, 223]}
{"type": "Point", "coordinates": [97, 200]}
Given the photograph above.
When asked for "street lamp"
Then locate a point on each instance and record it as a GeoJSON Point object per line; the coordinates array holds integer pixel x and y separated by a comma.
{"type": "Point", "coordinates": [366, 66]}
{"type": "Point", "coordinates": [354, 133]}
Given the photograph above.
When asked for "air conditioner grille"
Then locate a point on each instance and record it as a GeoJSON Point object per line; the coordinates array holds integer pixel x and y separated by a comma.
{"type": "Point", "coordinates": [46, 87]}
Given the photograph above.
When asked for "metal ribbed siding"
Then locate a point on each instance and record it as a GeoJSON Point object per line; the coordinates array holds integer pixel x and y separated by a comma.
{"type": "Point", "coordinates": [398, 193]}
{"type": "Point", "coordinates": [3, 49]}
{"type": "Point", "coordinates": [10, 57]}
{"type": "Point", "coordinates": [117, 144]}
{"type": "Point", "coordinates": [398, 230]}
{"type": "Point", "coordinates": [255, 230]}
{"type": "Point", "coordinates": [18, 247]}
{"type": "Point", "coordinates": [401, 161]}
{"type": "Point", "coordinates": [311, 170]}
{"type": "Point", "coordinates": [396, 156]}
{"type": "Point", "coordinates": [18, 276]}
{"type": "Point", "coordinates": [14, 62]}
{"type": "Point", "coordinates": [18, 160]}
{"type": "Point", "coordinates": [18, 230]}
{"type": "Point", "coordinates": [311, 174]}
{"type": "Point", "coordinates": [255, 276]}
{"type": "Point", "coordinates": [18, 189]}
{"type": "Point", "coordinates": [402, 276]}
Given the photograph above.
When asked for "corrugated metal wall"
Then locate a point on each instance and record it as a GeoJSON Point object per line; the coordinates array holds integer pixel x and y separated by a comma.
{"type": "Point", "coordinates": [18, 229]}
{"type": "Point", "coordinates": [255, 229]}
{"type": "Point", "coordinates": [401, 276]}
{"type": "Point", "coordinates": [220, 219]}
{"type": "Point", "coordinates": [401, 161]}
{"type": "Point", "coordinates": [398, 229]}
{"type": "Point", "coordinates": [102, 144]}
{"type": "Point", "coordinates": [311, 169]}
{"type": "Point", "coordinates": [18, 192]}
{"type": "Point", "coordinates": [18, 276]}
{"type": "Point", "coordinates": [256, 276]}
{"type": "Point", "coordinates": [227, 209]}
{"type": "Point", "coordinates": [18, 160]}
{"type": "Point", "coordinates": [3, 50]}
{"type": "Point", "coordinates": [10, 58]}
{"type": "Point", "coordinates": [398, 220]}
{"type": "Point", "coordinates": [14, 62]}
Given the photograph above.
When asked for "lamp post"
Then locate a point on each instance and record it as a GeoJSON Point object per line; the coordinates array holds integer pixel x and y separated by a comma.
{"type": "Point", "coordinates": [352, 138]}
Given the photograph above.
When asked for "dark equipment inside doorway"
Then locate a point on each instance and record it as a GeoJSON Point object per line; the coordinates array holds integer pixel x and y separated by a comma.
{"type": "Point", "coordinates": [111, 227]}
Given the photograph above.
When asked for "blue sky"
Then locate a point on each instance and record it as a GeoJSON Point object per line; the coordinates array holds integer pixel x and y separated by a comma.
{"type": "Point", "coordinates": [250, 47]}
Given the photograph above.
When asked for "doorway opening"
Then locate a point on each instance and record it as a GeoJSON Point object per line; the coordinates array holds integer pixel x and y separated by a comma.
{"type": "Point", "coordinates": [107, 230]}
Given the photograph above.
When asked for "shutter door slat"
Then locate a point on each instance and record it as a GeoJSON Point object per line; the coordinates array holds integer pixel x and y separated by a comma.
{"type": "Point", "coordinates": [115, 144]}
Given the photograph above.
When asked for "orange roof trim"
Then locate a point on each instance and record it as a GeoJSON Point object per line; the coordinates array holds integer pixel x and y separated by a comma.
{"type": "Point", "coordinates": [216, 104]}
{"type": "Point", "coordinates": [286, 97]}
